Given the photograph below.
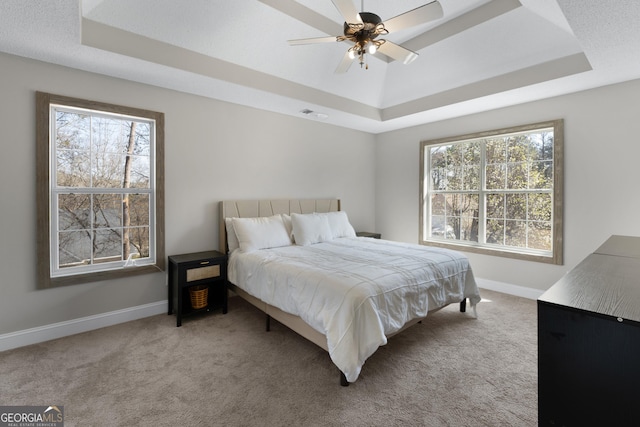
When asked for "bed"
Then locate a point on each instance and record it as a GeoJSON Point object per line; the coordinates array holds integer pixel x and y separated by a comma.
{"type": "Point", "coordinates": [300, 261]}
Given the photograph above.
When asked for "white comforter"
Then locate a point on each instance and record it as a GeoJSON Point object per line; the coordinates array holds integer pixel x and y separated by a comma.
{"type": "Point", "coordinates": [355, 290]}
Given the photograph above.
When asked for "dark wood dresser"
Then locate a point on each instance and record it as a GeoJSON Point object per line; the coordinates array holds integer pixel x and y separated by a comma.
{"type": "Point", "coordinates": [589, 341]}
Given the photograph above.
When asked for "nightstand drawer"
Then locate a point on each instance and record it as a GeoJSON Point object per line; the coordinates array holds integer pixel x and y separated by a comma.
{"type": "Point", "coordinates": [200, 273]}
{"type": "Point", "coordinates": [368, 234]}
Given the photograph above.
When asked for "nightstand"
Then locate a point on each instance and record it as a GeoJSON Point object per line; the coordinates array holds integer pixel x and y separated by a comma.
{"type": "Point", "coordinates": [368, 234]}
{"type": "Point", "coordinates": [197, 271]}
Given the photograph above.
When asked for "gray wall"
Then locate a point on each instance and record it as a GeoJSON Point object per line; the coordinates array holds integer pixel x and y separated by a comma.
{"type": "Point", "coordinates": [602, 152]}
{"type": "Point", "coordinates": [214, 151]}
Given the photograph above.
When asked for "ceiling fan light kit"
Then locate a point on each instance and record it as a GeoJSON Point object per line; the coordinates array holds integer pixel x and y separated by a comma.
{"type": "Point", "coordinates": [363, 28]}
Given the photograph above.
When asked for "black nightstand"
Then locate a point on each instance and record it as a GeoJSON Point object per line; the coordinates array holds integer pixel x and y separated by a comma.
{"type": "Point", "coordinates": [203, 269]}
{"type": "Point", "coordinates": [368, 234]}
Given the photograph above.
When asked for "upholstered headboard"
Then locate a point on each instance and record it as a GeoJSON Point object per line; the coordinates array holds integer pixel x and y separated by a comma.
{"type": "Point", "coordinates": [257, 208]}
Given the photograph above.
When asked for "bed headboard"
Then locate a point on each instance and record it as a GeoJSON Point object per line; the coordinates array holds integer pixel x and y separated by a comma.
{"type": "Point", "coordinates": [257, 208]}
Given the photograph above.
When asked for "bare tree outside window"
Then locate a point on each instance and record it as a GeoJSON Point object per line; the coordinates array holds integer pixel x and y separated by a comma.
{"type": "Point", "coordinates": [497, 192]}
{"type": "Point", "coordinates": [104, 190]}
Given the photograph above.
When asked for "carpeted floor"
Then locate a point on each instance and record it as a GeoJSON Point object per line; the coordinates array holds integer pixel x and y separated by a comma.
{"type": "Point", "coordinates": [450, 370]}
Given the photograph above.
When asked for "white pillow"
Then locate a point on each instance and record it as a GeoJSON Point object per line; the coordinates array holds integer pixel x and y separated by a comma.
{"type": "Point", "coordinates": [287, 224]}
{"type": "Point", "coordinates": [232, 238]}
{"type": "Point", "coordinates": [261, 233]}
{"type": "Point", "coordinates": [310, 228]}
{"type": "Point", "coordinates": [339, 224]}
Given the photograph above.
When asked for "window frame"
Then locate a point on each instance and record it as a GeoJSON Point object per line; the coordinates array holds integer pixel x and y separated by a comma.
{"type": "Point", "coordinates": [44, 192]}
{"type": "Point", "coordinates": [556, 256]}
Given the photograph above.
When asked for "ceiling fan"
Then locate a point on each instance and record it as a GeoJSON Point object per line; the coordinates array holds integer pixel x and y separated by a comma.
{"type": "Point", "coordinates": [363, 29]}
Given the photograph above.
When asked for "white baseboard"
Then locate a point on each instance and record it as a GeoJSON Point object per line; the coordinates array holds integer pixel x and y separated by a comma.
{"type": "Point", "coordinates": [506, 288]}
{"type": "Point", "coordinates": [76, 326]}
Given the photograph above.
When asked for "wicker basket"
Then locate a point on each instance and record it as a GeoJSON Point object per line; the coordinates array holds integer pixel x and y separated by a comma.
{"type": "Point", "coordinates": [199, 296]}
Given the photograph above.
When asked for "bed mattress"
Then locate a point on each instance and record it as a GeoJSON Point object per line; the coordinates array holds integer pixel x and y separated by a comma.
{"type": "Point", "coordinates": [356, 291]}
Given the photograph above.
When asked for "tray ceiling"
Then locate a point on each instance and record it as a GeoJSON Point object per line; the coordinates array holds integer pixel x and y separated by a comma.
{"type": "Point", "coordinates": [482, 54]}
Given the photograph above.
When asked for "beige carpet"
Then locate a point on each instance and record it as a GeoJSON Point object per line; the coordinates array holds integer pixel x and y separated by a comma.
{"type": "Point", "coordinates": [451, 370]}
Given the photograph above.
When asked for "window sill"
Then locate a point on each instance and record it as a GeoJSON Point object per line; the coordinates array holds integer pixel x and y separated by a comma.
{"type": "Point", "coordinates": [101, 275]}
{"type": "Point", "coordinates": [547, 259]}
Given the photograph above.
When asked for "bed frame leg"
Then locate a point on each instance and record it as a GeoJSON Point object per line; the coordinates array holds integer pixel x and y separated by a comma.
{"type": "Point", "coordinates": [268, 325]}
{"type": "Point", "coordinates": [343, 380]}
{"type": "Point", "coordinates": [463, 305]}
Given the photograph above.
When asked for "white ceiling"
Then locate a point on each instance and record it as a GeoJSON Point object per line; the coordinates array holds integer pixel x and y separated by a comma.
{"type": "Point", "coordinates": [482, 54]}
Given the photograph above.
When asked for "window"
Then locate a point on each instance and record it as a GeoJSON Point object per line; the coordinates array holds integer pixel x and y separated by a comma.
{"type": "Point", "coordinates": [100, 190]}
{"type": "Point", "coordinates": [497, 192]}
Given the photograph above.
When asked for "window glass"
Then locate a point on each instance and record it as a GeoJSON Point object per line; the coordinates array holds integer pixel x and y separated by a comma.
{"type": "Point", "coordinates": [496, 192]}
{"type": "Point", "coordinates": [100, 189]}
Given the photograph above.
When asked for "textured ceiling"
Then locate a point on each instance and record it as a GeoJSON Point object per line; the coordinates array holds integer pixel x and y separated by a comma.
{"type": "Point", "coordinates": [481, 54]}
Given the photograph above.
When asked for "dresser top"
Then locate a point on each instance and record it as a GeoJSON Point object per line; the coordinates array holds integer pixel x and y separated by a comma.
{"type": "Point", "coordinates": [606, 282]}
{"type": "Point", "coordinates": [625, 246]}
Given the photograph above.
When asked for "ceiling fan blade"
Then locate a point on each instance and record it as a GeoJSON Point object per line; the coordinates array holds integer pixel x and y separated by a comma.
{"type": "Point", "coordinates": [313, 40]}
{"type": "Point", "coordinates": [348, 11]}
{"type": "Point", "coordinates": [345, 63]}
{"type": "Point", "coordinates": [397, 52]}
{"type": "Point", "coordinates": [417, 16]}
